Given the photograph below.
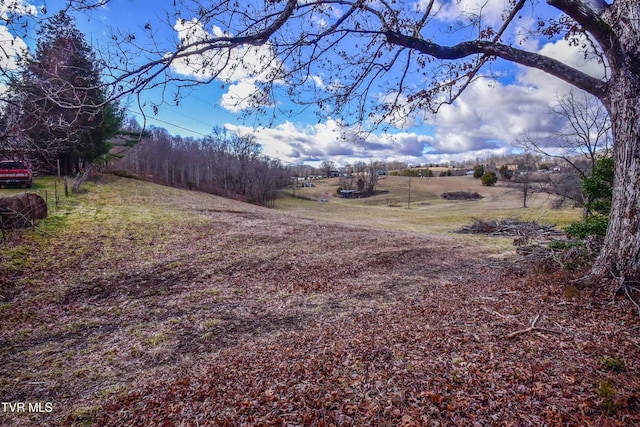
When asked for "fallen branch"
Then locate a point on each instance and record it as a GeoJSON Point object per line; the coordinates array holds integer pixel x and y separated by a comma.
{"type": "Point", "coordinates": [524, 331]}
{"type": "Point", "coordinates": [626, 291]}
{"type": "Point", "coordinates": [502, 316]}
{"type": "Point", "coordinates": [531, 328]}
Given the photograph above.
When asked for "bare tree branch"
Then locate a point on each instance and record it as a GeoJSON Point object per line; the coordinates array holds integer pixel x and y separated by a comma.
{"type": "Point", "coordinates": [554, 67]}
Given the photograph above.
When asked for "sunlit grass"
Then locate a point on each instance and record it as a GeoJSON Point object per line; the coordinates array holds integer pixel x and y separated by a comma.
{"type": "Point", "coordinates": [425, 211]}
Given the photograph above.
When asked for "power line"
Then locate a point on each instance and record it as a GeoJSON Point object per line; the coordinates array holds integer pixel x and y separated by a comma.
{"type": "Point", "coordinates": [165, 122]}
{"type": "Point", "coordinates": [187, 116]}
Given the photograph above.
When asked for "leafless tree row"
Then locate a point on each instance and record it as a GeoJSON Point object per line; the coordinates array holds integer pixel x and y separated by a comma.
{"type": "Point", "coordinates": [222, 164]}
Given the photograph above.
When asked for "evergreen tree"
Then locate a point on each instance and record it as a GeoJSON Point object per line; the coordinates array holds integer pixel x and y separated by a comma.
{"type": "Point", "coordinates": [599, 186]}
{"type": "Point", "coordinates": [59, 107]}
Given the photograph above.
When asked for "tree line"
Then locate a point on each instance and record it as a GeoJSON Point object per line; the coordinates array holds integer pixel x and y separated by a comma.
{"type": "Point", "coordinates": [225, 164]}
{"type": "Point", "coordinates": [57, 115]}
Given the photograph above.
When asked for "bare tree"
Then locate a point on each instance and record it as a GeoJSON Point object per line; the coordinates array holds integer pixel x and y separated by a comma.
{"type": "Point", "coordinates": [372, 176]}
{"type": "Point", "coordinates": [326, 167]}
{"type": "Point", "coordinates": [585, 132]}
{"type": "Point", "coordinates": [584, 137]}
{"type": "Point", "coordinates": [222, 164]}
{"type": "Point", "coordinates": [526, 166]}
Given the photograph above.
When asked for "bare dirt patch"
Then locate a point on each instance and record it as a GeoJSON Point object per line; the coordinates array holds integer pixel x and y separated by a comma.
{"type": "Point", "coordinates": [165, 307]}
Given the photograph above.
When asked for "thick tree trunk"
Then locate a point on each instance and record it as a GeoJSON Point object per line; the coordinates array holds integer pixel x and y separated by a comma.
{"type": "Point", "coordinates": [620, 255]}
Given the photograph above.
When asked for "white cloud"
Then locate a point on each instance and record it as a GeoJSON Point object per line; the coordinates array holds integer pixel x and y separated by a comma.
{"type": "Point", "coordinates": [403, 115]}
{"type": "Point", "coordinates": [452, 10]}
{"type": "Point", "coordinates": [494, 115]}
{"type": "Point", "coordinates": [330, 140]}
{"type": "Point", "coordinates": [11, 47]}
{"type": "Point", "coordinates": [486, 120]}
{"type": "Point", "coordinates": [241, 66]}
{"type": "Point", "coordinates": [244, 95]}
{"type": "Point", "coordinates": [18, 7]}
{"type": "Point", "coordinates": [228, 65]}
{"type": "Point", "coordinates": [570, 55]}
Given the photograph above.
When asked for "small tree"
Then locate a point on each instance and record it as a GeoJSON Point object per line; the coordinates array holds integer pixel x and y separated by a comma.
{"type": "Point", "coordinates": [585, 136]}
{"type": "Point", "coordinates": [526, 165]}
{"type": "Point", "coordinates": [505, 172]}
{"type": "Point", "coordinates": [599, 186]}
{"type": "Point", "coordinates": [599, 190]}
{"type": "Point", "coordinates": [478, 171]}
{"type": "Point", "coordinates": [489, 179]}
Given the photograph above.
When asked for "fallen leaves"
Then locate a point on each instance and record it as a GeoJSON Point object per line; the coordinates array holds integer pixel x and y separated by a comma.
{"type": "Point", "coordinates": [237, 315]}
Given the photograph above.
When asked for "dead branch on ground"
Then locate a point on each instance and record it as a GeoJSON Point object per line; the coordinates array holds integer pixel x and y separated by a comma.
{"type": "Point", "coordinates": [531, 328]}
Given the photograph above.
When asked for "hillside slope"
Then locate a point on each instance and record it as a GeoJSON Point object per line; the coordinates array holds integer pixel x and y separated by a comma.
{"type": "Point", "coordinates": [146, 305]}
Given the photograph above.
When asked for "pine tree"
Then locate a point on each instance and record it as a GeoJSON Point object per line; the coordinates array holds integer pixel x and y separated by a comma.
{"type": "Point", "coordinates": [59, 107]}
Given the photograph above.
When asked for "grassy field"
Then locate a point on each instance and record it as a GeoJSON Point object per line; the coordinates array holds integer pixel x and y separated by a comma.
{"type": "Point", "coordinates": [136, 304]}
{"type": "Point", "coordinates": [426, 211]}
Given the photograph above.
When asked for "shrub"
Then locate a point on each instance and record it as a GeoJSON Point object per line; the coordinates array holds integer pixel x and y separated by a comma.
{"type": "Point", "coordinates": [478, 171]}
{"type": "Point", "coordinates": [505, 173]}
{"type": "Point", "coordinates": [599, 186]}
{"type": "Point", "coordinates": [595, 225]}
{"type": "Point", "coordinates": [607, 393]}
{"type": "Point", "coordinates": [461, 195]}
{"type": "Point", "coordinates": [489, 179]}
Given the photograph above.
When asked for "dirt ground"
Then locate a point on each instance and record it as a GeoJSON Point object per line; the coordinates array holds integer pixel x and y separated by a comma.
{"type": "Point", "coordinates": [154, 306]}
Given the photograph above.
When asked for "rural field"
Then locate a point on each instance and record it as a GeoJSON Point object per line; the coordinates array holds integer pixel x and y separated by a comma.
{"type": "Point", "coordinates": [425, 211]}
{"type": "Point", "coordinates": [141, 305]}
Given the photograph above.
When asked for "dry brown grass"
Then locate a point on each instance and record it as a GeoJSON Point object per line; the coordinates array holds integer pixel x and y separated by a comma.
{"type": "Point", "coordinates": [428, 212]}
{"type": "Point", "coordinates": [156, 306]}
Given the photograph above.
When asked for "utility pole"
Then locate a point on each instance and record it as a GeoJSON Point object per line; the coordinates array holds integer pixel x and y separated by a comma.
{"type": "Point", "coordinates": [409, 198]}
{"type": "Point", "coordinates": [294, 184]}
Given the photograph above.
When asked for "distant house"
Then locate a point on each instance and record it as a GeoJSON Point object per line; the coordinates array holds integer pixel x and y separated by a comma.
{"type": "Point", "coordinates": [347, 194]}
{"type": "Point", "coordinates": [334, 174]}
{"type": "Point", "coordinates": [383, 172]}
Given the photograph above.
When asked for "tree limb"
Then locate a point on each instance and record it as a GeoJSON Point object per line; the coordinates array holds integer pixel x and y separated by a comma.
{"type": "Point", "coordinates": [531, 328]}
{"type": "Point", "coordinates": [554, 67]}
{"type": "Point", "coordinates": [587, 14]}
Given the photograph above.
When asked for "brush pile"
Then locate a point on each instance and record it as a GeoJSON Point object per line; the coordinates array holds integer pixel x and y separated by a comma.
{"type": "Point", "coordinates": [511, 227]}
{"type": "Point", "coordinates": [461, 195]}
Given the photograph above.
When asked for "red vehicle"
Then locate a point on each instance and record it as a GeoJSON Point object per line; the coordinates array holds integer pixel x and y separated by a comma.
{"type": "Point", "coordinates": [15, 172]}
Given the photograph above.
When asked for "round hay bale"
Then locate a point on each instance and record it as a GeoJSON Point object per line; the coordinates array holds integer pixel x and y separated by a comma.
{"type": "Point", "coordinates": [21, 210]}
{"type": "Point", "coordinates": [35, 206]}
{"type": "Point", "coordinates": [11, 213]}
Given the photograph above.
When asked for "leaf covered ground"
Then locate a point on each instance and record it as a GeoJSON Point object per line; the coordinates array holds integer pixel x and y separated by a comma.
{"type": "Point", "coordinates": [153, 306]}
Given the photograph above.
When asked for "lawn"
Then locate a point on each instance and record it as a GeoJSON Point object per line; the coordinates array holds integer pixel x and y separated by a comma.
{"type": "Point", "coordinates": [136, 304]}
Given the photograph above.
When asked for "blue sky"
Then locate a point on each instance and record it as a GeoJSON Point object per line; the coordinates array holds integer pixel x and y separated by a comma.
{"type": "Point", "coordinates": [487, 119]}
